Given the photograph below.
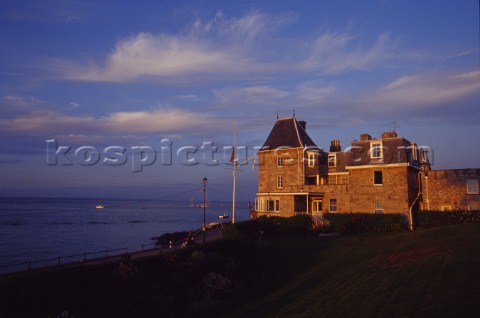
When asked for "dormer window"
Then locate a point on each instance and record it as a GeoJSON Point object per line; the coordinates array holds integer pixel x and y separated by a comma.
{"type": "Point", "coordinates": [311, 159]}
{"type": "Point", "coordinates": [414, 149]}
{"type": "Point", "coordinates": [332, 160]}
{"type": "Point", "coordinates": [376, 151]}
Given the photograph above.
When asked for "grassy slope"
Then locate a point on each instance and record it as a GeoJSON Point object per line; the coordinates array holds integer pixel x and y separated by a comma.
{"type": "Point", "coordinates": [426, 273]}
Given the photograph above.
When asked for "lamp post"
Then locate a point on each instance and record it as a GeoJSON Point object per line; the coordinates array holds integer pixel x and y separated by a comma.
{"type": "Point", "coordinates": [204, 205]}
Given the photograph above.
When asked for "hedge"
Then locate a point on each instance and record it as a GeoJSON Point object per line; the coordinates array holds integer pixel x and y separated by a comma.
{"type": "Point", "coordinates": [299, 224]}
{"type": "Point", "coordinates": [365, 222]}
{"type": "Point", "coordinates": [439, 218]}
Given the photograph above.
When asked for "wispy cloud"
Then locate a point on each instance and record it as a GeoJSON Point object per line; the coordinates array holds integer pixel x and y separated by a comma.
{"type": "Point", "coordinates": [336, 52]}
{"type": "Point", "coordinates": [428, 89]}
{"type": "Point", "coordinates": [230, 47]}
{"type": "Point", "coordinates": [306, 93]}
{"type": "Point", "coordinates": [219, 46]}
{"type": "Point", "coordinates": [249, 95]}
{"type": "Point", "coordinates": [159, 120]}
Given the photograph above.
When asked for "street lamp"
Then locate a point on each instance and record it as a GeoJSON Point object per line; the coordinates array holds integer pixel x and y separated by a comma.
{"type": "Point", "coordinates": [204, 205]}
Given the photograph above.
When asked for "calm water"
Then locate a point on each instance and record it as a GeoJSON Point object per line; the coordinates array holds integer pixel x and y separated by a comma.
{"type": "Point", "coordinates": [34, 229]}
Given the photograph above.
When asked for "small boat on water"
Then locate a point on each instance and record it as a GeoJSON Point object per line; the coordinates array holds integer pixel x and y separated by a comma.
{"type": "Point", "coordinates": [223, 216]}
{"type": "Point", "coordinates": [99, 206]}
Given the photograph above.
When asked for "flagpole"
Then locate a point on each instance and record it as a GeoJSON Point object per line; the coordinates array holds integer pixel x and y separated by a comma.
{"type": "Point", "coordinates": [234, 169]}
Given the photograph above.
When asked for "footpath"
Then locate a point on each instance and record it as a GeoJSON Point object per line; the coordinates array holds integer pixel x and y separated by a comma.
{"type": "Point", "coordinates": [211, 234]}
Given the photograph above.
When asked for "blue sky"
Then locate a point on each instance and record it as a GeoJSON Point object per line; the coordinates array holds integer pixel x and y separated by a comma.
{"type": "Point", "coordinates": [130, 74]}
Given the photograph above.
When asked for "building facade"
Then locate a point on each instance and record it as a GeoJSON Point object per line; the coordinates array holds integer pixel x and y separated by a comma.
{"type": "Point", "coordinates": [389, 174]}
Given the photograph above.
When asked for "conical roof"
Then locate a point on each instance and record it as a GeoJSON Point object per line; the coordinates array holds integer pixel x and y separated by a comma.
{"type": "Point", "coordinates": [289, 133]}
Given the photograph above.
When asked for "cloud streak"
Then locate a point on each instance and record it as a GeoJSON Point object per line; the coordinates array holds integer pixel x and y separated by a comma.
{"type": "Point", "coordinates": [160, 120]}
{"type": "Point", "coordinates": [429, 89]}
{"type": "Point", "coordinates": [229, 48]}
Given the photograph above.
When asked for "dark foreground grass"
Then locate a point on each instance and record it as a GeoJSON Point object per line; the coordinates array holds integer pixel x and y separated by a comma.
{"type": "Point", "coordinates": [426, 273]}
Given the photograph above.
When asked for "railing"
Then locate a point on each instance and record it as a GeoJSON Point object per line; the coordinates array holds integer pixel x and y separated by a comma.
{"type": "Point", "coordinates": [80, 258]}
{"type": "Point", "coordinates": [317, 219]}
{"type": "Point", "coordinates": [61, 260]}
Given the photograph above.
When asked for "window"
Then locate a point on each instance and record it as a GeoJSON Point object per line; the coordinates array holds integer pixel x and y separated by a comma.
{"type": "Point", "coordinates": [273, 205]}
{"type": "Point", "coordinates": [377, 177]}
{"type": "Point", "coordinates": [332, 160]}
{"type": "Point", "coordinates": [333, 205]}
{"type": "Point", "coordinates": [279, 162]}
{"type": "Point", "coordinates": [446, 208]}
{"type": "Point", "coordinates": [379, 207]}
{"type": "Point", "coordinates": [279, 182]}
{"type": "Point", "coordinates": [345, 179]}
{"type": "Point", "coordinates": [317, 205]}
{"type": "Point", "coordinates": [311, 159]}
{"type": "Point", "coordinates": [414, 149]}
{"type": "Point", "coordinates": [311, 180]}
{"type": "Point", "coordinates": [376, 150]}
{"type": "Point", "coordinates": [259, 204]}
{"type": "Point", "coordinates": [332, 179]}
{"type": "Point", "coordinates": [472, 186]}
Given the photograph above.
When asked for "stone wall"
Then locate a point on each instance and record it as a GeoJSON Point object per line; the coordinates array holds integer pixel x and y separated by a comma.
{"type": "Point", "coordinates": [291, 171]}
{"type": "Point", "coordinates": [393, 193]}
{"type": "Point", "coordinates": [447, 189]}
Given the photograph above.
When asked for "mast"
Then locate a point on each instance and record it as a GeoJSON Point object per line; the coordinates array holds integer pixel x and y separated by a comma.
{"type": "Point", "coordinates": [234, 169]}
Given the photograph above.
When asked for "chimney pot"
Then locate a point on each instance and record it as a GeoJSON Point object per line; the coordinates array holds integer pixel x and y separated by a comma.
{"type": "Point", "coordinates": [335, 146]}
{"type": "Point", "coordinates": [365, 137]}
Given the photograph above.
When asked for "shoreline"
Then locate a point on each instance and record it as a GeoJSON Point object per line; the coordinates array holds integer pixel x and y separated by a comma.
{"type": "Point", "coordinates": [212, 233]}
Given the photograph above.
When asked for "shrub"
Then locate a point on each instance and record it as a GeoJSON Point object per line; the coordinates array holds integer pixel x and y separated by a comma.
{"type": "Point", "coordinates": [439, 218]}
{"type": "Point", "coordinates": [298, 224]}
{"type": "Point", "coordinates": [366, 222]}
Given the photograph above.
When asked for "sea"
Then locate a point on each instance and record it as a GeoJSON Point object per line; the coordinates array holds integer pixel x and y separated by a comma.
{"type": "Point", "coordinates": [39, 230]}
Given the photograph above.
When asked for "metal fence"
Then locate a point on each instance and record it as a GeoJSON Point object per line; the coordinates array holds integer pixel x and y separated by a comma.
{"type": "Point", "coordinates": [89, 257]}
{"type": "Point", "coordinates": [70, 259]}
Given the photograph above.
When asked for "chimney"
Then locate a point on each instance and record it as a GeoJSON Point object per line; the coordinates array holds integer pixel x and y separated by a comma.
{"type": "Point", "coordinates": [335, 146]}
{"type": "Point", "coordinates": [303, 124]}
{"type": "Point", "coordinates": [365, 137]}
{"type": "Point", "coordinates": [389, 134]}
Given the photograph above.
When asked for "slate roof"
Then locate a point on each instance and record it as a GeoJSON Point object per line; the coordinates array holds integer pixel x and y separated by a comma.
{"type": "Point", "coordinates": [288, 132]}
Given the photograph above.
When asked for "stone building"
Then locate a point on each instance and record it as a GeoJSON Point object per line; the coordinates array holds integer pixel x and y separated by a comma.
{"type": "Point", "coordinates": [389, 174]}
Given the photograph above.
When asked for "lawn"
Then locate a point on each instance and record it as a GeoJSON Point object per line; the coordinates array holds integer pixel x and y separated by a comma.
{"type": "Point", "coordinates": [425, 273]}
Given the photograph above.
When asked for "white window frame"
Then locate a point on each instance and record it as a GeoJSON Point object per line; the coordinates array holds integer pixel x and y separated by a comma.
{"type": "Point", "coordinates": [379, 207]}
{"type": "Point", "coordinates": [472, 186]}
{"type": "Point", "coordinates": [332, 178]}
{"type": "Point", "coordinates": [330, 205]}
{"type": "Point", "coordinates": [376, 150]}
{"type": "Point", "coordinates": [332, 163]}
{"type": "Point", "coordinates": [315, 205]}
{"type": "Point", "coordinates": [260, 204]}
{"type": "Point", "coordinates": [279, 182]}
{"type": "Point", "coordinates": [311, 159]}
{"type": "Point", "coordinates": [276, 205]}
{"type": "Point", "coordinates": [279, 162]}
{"type": "Point", "coordinates": [414, 148]}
